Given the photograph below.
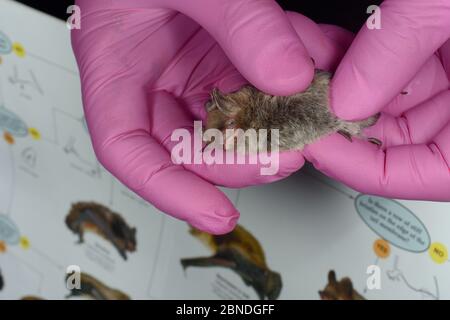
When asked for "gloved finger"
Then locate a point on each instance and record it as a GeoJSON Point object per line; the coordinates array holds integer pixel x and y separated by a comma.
{"type": "Point", "coordinates": [444, 55]}
{"type": "Point", "coordinates": [258, 39]}
{"type": "Point", "coordinates": [338, 35]}
{"type": "Point", "coordinates": [429, 81]}
{"type": "Point", "coordinates": [408, 172]}
{"type": "Point", "coordinates": [417, 125]}
{"type": "Point", "coordinates": [379, 63]}
{"type": "Point", "coordinates": [325, 52]}
{"type": "Point", "coordinates": [167, 115]}
{"type": "Point", "coordinates": [117, 117]}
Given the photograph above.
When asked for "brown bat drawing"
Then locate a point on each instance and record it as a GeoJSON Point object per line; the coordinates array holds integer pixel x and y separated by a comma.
{"type": "Point", "coordinates": [95, 289]}
{"type": "Point", "coordinates": [90, 216]}
{"type": "Point", "coordinates": [339, 290]}
{"type": "Point", "coordinates": [31, 298]}
{"type": "Point", "coordinates": [2, 283]}
{"type": "Point", "coordinates": [242, 253]}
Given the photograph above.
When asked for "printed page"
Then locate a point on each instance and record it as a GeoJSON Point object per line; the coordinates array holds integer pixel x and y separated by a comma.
{"type": "Point", "coordinates": [306, 237]}
{"type": "Point", "coordinates": [309, 227]}
{"type": "Point", "coordinates": [58, 206]}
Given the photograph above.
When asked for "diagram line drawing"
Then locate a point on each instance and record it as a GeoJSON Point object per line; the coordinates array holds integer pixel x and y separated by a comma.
{"type": "Point", "coordinates": [69, 148]}
{"type": "Point", "coordinates": [37, 57]}
{"type": "Point", "coordinates": [111, 191]}
{"type": "Point", "coordinates": [320, 180]}
{"type": "Point", "coordinates": [55, 113]}
{"type": "Point", "coordinates": [2, 101]}
{"type": "Point", "coordinates": [437, 287]}
{"type": "Point", "coordinates": [67, 114]}
{"type": "Point", "coordinates": [29, 157]}
{"type": "Point", "coordinates": [32, 268]}
{"type": "Point", "coordinates": [54, 140]}
{"type": "Point", "coordinates": [377, 259]}
{"type": "Point", "coordinates": [34, 83]}
{"type": "Point", "coordinates": [157, 255]}
{"type": "Point", "coordinates": [238, 196]}
{"type": "Point", "coordinates": [46, 257]}
{"type": "Point", "coordinates": [397, 275]}
{"type": "Point", "coordinates": [13, 182]}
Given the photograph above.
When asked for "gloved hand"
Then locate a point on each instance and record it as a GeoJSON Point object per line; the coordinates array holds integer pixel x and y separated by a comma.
{"type": "Point", "coordinates": [404, 71]}
{"type": "Point", "coordinates": [146, 69]}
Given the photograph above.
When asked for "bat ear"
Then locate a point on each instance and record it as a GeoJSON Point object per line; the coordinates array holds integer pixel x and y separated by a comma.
{"type": "Point", "coordinates": [321, 294]}
{"type": "Point", "coordinates": [194, 231]}
{"type": "Point", "coordinates": [332, 277]}
{"type": "Point", "coordinates": [210, 106]}
{"type": "Point", "coordinates": [222, 102]}
{"type": "Point", "coordinates": [347, 287]}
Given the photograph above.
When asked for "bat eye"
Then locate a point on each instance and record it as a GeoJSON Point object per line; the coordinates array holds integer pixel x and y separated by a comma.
{"type": "Point", "coordinates": [230, 123]}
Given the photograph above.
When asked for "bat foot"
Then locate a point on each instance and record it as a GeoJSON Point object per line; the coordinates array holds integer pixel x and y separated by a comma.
{"type": "Point", "coordinates": [184, 264]}
{"type": "Point", "coordinates": [375, 141]}
{"type": "Point", "coordinates": [346, 135]}
{"type": "Point", "coordinates": [69, 295]}
{"type": "Point", "coordinates": [122, 254]}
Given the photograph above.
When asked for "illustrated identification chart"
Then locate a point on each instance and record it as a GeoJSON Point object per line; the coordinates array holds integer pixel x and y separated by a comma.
{"type": "Point", "coordinates": [306, 237]}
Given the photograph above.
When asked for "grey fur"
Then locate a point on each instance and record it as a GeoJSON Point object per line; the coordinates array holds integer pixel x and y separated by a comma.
{"type": "Point", "coordinates": [301, 118]}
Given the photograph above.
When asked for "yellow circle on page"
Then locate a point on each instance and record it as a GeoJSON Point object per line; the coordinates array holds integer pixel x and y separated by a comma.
{"type": "Point", "coordinates": [24, 243]}
{"type": "Point", "coordinates": [2, 247]}
{"type": "Point", "coordinates": [35, 134]}
{"type": "Point", "coordinates": [18, 49]}
{"type": "Point", "coordinates": [381, 248]}
{"type": "Point", "coordinates": [438, 252]}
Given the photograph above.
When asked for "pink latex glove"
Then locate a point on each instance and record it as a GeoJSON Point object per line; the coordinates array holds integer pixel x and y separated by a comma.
{"type": "Point", "coordinates": [409, 55]}
{"type": "Point", "coordinates": [146, 70]}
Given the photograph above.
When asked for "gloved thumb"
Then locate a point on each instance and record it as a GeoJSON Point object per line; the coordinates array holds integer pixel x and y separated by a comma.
{"type": "Point", "coordinates": [258, 38]}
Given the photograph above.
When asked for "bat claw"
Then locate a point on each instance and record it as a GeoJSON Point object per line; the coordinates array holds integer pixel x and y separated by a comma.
{"type": "Point", "coordinates": [346, 135]}
{"type": "Point", "coordinates": [375, 141]}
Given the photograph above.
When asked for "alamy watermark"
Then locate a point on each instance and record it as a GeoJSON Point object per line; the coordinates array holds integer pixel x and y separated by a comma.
{"type": "Point", "coordinates": [374, 21]}
{"type": "Point", "coordinates": [73, 279]}
{"type": "Point", "coordinates": [373, 282]}
{"type": "Point", "coordinates": [74, 21]}
{"type": "Point", "coordinates": [232, 146]}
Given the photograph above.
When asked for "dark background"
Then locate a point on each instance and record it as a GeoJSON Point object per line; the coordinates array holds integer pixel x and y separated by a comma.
{"type": "Point", "coordinates": [350, 14]}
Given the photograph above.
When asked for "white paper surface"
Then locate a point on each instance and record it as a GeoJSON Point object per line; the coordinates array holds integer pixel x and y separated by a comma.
{"type": "Point", "coordinates": [307, 225]}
